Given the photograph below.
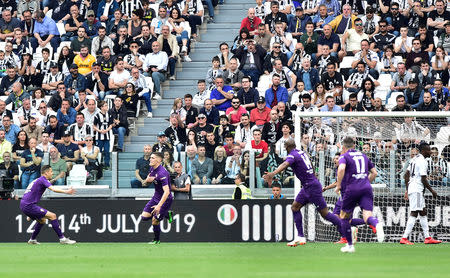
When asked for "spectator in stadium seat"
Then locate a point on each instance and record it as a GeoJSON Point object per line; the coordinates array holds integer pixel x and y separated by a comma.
{"type": "Point", "coordinates": [425, 76]}
{"type": "Point", "coordinates": [235, 112]}
{"type": "Point", "coordinates": [262, 38]}
{"type": "Point", "coordinates": [21, 144]}
{"type": "Point", "coordinates": [220, 157]}
{"type": "Point", "coordinates": [66, 115]}
{"type": "Point", "coordinates": [202, 94]}
{"type": "Point", "coordinates": [261, 114]}
{"type": "Point", "coordinates": [191, 112]}
{"type": "Point", "coordinates": [275, 53]}
{"type": "Point", "coordinates": [355, 81]}
{"type": "Point", "coordinates": [162, 143]}
{"type": "Point", "coordinates": [328, 38]}
{"type": "Point", "coordinates": [113, 25]}
{"type": "Point", "coordinates": [382, 39]}
{"type": "Point", "coordinates": [45, 31]}
{"type": "Point", "coordinates": [239, 39]}
{"type": "Point", "coordinates": [444, 38]}
{"type": "Point", "coordinates": [251, 22]}
{"type": "Point", "coordinates": [89, 155]}
{"type": "Point", "coordinates": [45, 145]}
{"type": "Point", "coordinates": [142, 169]}
{"type": "Point", "coordinates": [248, 96]}
{"type": "Point", "coordinates": [416, 56]}
{"type": "Point", "coordinates": [7, 25]}
{"type": "Point", "coordinates": [228, 142]}
{"type": "Point", "coordinates": [213, 72]}
{"type": "Point", "coordinates": [33, 130]}
{"type": "Point", "coordinates": [395, 19]}
{"type": "Point", "coordinates": [308, 75]}
{"type": "Point", "coordinates": [399, 81]}
{"type": "Point", "coordinates": [156, 65]}
{"type": "Point", "coordinates": [52, 79]}
{"type": "Point", "coordinates": [84, 60]}
{"type": "Point", "coordinates": [158, 22]}
{"type": "Point", "coordinates": [12, 169]}
{"type": "Point", "coordinates": [224, 55]}
{"type": "Point", "coordinates": [439, 61]}
{"type": "Point", "coordinates": [18, 95]}
{"type": "Point", "coordinates": [319, 131]}
{"type": "Point", "coordinates": [353, 104]}
{"type": "Point", "coordinates": [251, 60]}
{"type": "Point", "coordinates": [378, 105]}
{"type": "Point", "coordinates": [111, 6]}
{"type": "Point", "coordinates": [168, 39]}
{"type": "Point", "coordinates": [134, 58]}
{"type": "Point", "coordinates": [176, 133]}
{"type": "Point", "coordinates": [5, 145]}
{"type": "Point", "coordinates": [260, 147]}
{"type": "Point", "coordinates": [65, 59]}
{"type": "Point", "coordinates": [30, 162]}
{"type": "Point", "coordinates": [284, 115]}
{"type": "Point", "coordinates": [202, 129]}
{"type": "Point", "coordinates": [8, 80]}
{"type": "Point", "coordinates": [72, 24]}
{"type": "Point", "coordinates": [288, 79]}
{"type": "Point", "coordinates": [181, 185]}
{"type": "Point", "coordinates": [211, 112]}
{"type": "Point", "coordinates": [271, 130]}
{"type": "Point", "coordinates": [428, 104]}
{"type": "Point", "coordinates": [122, 42]}
{"type": "Point", "coordinates": [80, 40]}
{"type": "Point", "coordinates": [80, 130]}
{"type": "Point", "coordinates": [426, 39]}
{"type": "Point", "coordinates": [224, 128]}
{"type": "Point", "coordinates": [351, 39]}
{"type": "Point", "coordinates": [403, 43]}
{"type": "Point", "coordinates": [106, 61]}
{"type": "Point", "coordinates": [91, 24]}
{"type": "Point", "coordinates": [100, 41]}
{"type": "Point", "coordinates": [69, 151]}
{"type": "Point", "coordinates": [333, 83]}
{"type": "Point", "coordinates": [321, 17]}
{"type": "Point", "coordinates": [276, 93]}
{"type": "Point", "coordinates": [437, 168]}
{"type": "Point", "coordinates": [401, 104]}
{"type": "Point", "coordinates": [366, 95]}
{"type": "Point", "coordinates": [75, 82]}
{"type": "Point", "coordinates": [192, 12]}
{"type": "Point", "coordinates": [414, 94]}
{"type": "Point", "coordinates": [120, 123]}
{"type": "Point", "coordinates": [59, 167]}
{"type": "Point", "coordinates": [97, 82]}
{"type": "Point", "coordinates": [244, 131]}
{"type": "Point", "coordinates": [27, 24]}
{"type": "Point", "coordinates": [233, 76]}
{"type": "Point", "coordinates": [202, 167]}
{"type": "Point", "coordinates": [54, 130]}
{"type": "Point", "coordinates": [286, 130]}
{"type": "Point", "coordinates": [368, 57]}
{"type": "Point", "coordinates": [439, 93]}
{"type": "Point", "coordinates": [221, 96]}
{"type": "Point", "coordinates": [389, 62]}
{"type": "Point", "coordinates": [191, 155]}
{"type": "Point", "coordinates": [3, 110]}
{"type": "Point", "coordinates": [11, 130]}
{"type": "Point", "coordinates": [118, 79]}
{"type": "Point", "coordinates": [130, 99]}
{"type": "Point", "coordinates": [233, 165]}
{"type": "Point", "coordinates": [297, 24]}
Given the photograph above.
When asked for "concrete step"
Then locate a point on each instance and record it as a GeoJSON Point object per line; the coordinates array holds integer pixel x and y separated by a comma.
{"type": "Point", "coordinates": [129, 155]}
{"type": "Point", "coordinates": [135, 147]}
{"type": "Point", "coordinates": [147, 135]}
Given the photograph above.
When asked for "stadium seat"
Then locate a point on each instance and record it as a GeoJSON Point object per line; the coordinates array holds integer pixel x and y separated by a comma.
{"type": "Point", "coordinates": [346, 62]}
{"type": "Point", "coordinates": [77, 175]}
{"type": "Point", "coordinates": [61, 29]}
{"type": "Point", "coordinates": [110, 100]}
{"type": "Point", "coordinates": [16, 120]}
{"type": "Point", "coordinates": [263, 84]}
{"type": "Point", "coordinates": [391, 102]}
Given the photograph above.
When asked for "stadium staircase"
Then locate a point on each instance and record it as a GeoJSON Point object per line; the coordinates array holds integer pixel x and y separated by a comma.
{"type": "Point", "coordinates": [228, 19]}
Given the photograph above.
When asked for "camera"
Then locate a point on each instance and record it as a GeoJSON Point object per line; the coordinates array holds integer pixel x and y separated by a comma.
{"type": "Point", "coordinates": [6, 185]}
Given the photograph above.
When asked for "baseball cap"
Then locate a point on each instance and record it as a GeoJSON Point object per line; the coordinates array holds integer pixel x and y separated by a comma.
{"type": "Point", "coordinates": [261, 99]}
{"type": "Point", "coordinates": [90, 12]}
{"type": "Point", "coordinates": [53, 65]}
{"type": "Point", "coordinates": [74, 66]}
{"type": "Point", "coordinates": [201, 115]}
{"type": "Point", "coordinates": [299, 8]}
{"type": "Point", "coordinates": [66, 133]}
{"type": "Point", "coordinates": [161, 133]}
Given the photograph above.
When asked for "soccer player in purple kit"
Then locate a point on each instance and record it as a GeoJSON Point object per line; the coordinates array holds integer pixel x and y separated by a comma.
{"type": "Point", "coordinates": [355, 173]}
{"type": "Point", "coordinates": [354, 222]}
{"type": "Point", "coordinates": [311, 191]}
{"type": "Point", "coordinates": [29, 206]}
{"type": "Point", "coordinates": [158, 207]}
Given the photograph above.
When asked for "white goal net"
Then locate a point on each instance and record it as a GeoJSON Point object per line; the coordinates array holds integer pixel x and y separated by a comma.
{"type": "Point", "coordinates": [389, 139]}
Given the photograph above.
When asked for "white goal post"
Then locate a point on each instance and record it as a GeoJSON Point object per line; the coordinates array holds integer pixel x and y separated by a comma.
{"type": "Point", "coordinates": [389, 139]}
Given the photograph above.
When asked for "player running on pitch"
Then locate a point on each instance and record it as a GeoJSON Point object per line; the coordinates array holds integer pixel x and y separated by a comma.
{"type": "Point", "coordinates": [355, 173]}
{"type": "Point", "coordinates": [311, 189]}
{"type": "Point", "coordinates": [416, 182]}
{"type": "Point", "coordinates": [29, 206]}
{"type": "Point", "coordinates": [354, 222]}
{"type": "Point", "coordinates": [158, 207]}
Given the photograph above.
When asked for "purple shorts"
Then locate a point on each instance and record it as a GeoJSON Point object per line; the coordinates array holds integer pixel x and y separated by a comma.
{"type": "Point", "coordinates": [313, 195]}
{"type": "Point", "coordinates": [164, 212]}
{"type": "Point", "coordinates": [33, 211]}
{"type": "Point", "coordinates": [338, 206]}
{"type": "Point", "coordinates": [362, 197]}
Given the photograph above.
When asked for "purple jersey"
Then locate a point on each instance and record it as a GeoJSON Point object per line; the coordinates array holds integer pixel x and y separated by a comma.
{"type": "Point", "coordinates": [356, 170]}
{"type": "Point", "coordinates": [35, 190]}
{"type": "Point", "coordinates": [162, 178]}
{"type": "Point", "coordinates": [302, 167]}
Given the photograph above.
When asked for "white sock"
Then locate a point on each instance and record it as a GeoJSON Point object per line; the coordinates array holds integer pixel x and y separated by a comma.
{"type": "Point", "coordinates": [409, 226]}
{"type": "Point", "coordinates": [424, 223]}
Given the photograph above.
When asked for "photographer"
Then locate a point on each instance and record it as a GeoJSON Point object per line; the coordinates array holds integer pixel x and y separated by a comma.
{"type": "Point", "coordinates": [12, 170]}
{"type": "Point", "coordinates": [295, 62]}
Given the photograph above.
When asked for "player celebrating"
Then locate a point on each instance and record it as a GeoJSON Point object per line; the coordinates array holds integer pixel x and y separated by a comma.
{"type": "Point", "coordinates": [311, 189]}
{"type": "Point", "coordinates": [158, 207]}
{"type": "Point", "coordinates": [355, 173]}
{"type": "Point", "coordinates": [416, 182]}
{"type": "Point", "coordinates": [354, 222]}
{"type": "Point", "coordinates": [29, 206]}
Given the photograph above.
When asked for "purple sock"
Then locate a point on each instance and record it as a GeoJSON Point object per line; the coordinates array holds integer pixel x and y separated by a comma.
{"type": "Point", "coordinates": [346, 230]}
{"type": "Point", "coordinates": [145, 218]}
{"type": "Point", "coordinates": [372, 221]}
{"type": "Point", "coordinates": [333, 218]}
{"type": "Point", "coordinates": [37, 229]}
{"type": "Point", "coordinates": [55, 226]}
{"type": "Point", "coordinates": [298, 222]}
{"type": "Point", "coordinates": [156, 231]}
{"type": "Point", "coordinates": [357, 222]}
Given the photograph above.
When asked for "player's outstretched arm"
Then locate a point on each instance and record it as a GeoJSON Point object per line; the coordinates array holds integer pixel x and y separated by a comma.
{"type": "Point", "coordinates": [427, 186]}
{"type": "Point", "coordinates": [333, 185]}
{"type": "Point", "coordinates": [69, 191]}
{"type": "Point", "coordinates": [269, 176]}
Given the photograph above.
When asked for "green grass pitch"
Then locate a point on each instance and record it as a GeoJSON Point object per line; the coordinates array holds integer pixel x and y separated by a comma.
{"type": "Point", "coordinates": [216, 260]}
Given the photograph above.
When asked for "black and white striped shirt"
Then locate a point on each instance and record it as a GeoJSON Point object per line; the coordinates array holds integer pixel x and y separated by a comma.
{"type": "Point", "coordinates": [127, 6]}
{"type": "Point", "coordinates": [80, 133]}
{"type": "Point", "coordinates": [43, 67]}
{"type": "Point", "coordinates": [102, 122]}
{"type": "Point", "coordinates": [49, 78]}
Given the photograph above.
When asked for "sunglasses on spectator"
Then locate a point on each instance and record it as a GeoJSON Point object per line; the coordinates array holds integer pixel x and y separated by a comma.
{"type": "Point", "coordinates": [200, 118]}
{"type": "Point", "coordinates": [277, 46]}
{"type": "Point", "coordinates": [90, 15]}
{"type": "Point", "coordinates": [235, 102]}
{"type": "Point", "coordinates": [89, 140]}
{"type": "Point", "coordinates": [382, 25]}
{"type": "Point", "coordinates": [394, 9]}
{"type": "Point", "coordinates": [358, 24]}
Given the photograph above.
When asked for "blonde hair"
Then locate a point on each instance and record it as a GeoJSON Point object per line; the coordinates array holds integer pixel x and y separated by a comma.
{"type": "Point", "coordinates": [175, 103]}
{"type": "Point", "coordinates": [219, 148]}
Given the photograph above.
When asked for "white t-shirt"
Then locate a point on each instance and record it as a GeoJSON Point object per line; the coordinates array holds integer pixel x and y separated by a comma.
{"type": "Point", "coordinates": [119, 77]}
{"type": "Point", "coordinates": [417, 168]}
{"type": "Point", "coordinates": [446, 59]}
{"type": "Point", "coordinates": [398, 42]}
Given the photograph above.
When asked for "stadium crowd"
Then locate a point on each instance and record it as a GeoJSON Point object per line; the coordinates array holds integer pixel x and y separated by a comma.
{"type": "Point", "coordinates": [75, 75]}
